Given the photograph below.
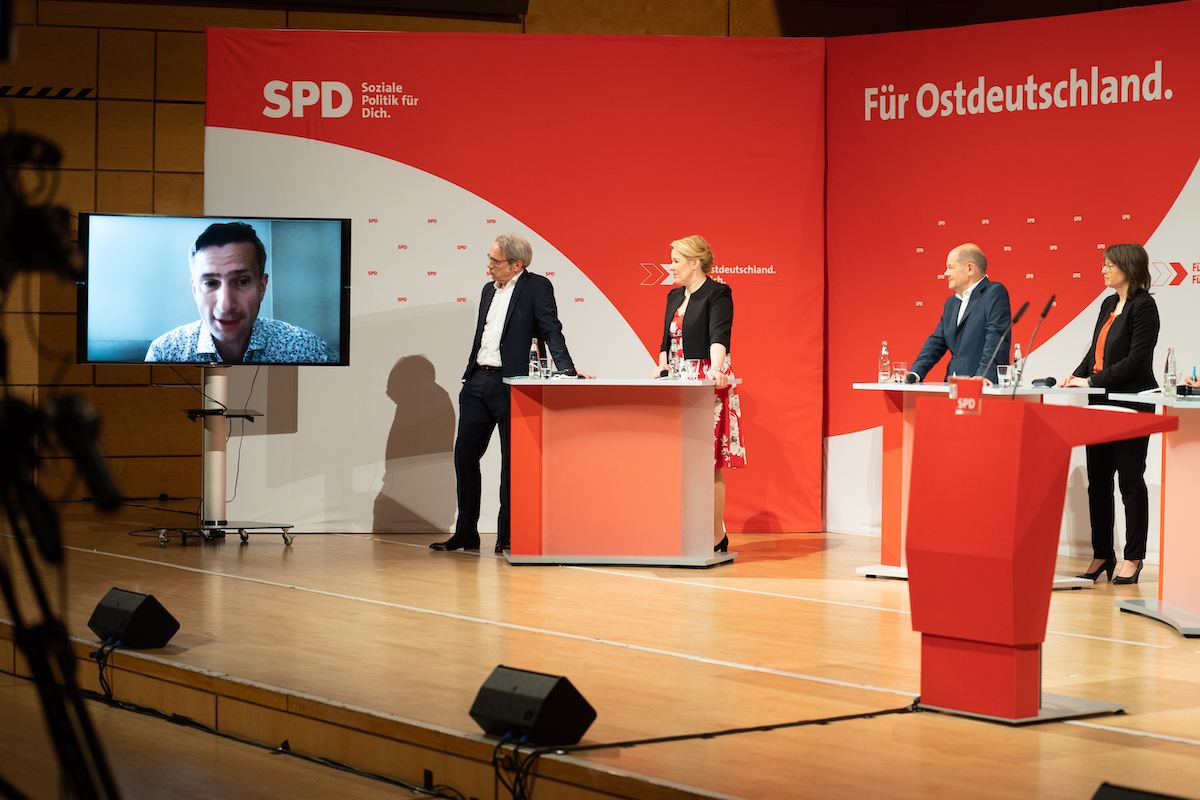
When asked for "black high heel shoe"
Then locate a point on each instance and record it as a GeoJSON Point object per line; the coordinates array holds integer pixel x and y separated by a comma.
{"type": "Point", "coordinates": [1132, 578]}
{"type": "Point", "coordinates": [1107, 566]}
{"type": "Point", "coordinates": [722, 546]}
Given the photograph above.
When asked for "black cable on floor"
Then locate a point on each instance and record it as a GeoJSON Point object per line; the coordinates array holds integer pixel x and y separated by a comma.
{"type": "Point", "coordinates": [522, 767]}
{"type": "Point", "coordinates": [441, 790]}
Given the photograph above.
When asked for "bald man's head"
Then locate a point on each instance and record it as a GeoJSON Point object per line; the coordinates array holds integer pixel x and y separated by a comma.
{"type": "Point", "coordinates": [965, 266]}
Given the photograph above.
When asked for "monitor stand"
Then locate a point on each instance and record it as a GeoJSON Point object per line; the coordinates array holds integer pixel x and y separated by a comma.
{"type": "Point", "coordinates": [216, 415]}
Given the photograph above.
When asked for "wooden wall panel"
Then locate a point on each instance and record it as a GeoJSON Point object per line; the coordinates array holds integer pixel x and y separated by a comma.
{"type": "Point", "coordinates": [131, 375]}
{"type": "Point", "coordinates": [674, 17]}
{"type": "Point", "coordinates": [60, 58]}
{"type": "Point", "coordinates": [126, 68]}
{"type": "Point", "coordinates": [70, 124]}
{"type": "Point", "coordinates": [179, 67]}
{"type": "Point", "coordinates": [333, 21]}
{"type": "Point", "coordinates": [56, 293]}
{"type": "Point", "coordinates": [178, 137]}
{"type": "Point", "coordinates": [124, 134]}
{"type": "Point", "coordinates": [754, 18]}
{"type": "Point", "coordinates": [33, 293]}
{"type": "Point", "coordinates": [139, 16]}
{"type": "Point", "coordinates": [844, 17]}
{"type": "Point", "coordinates": [24, 394]}
{"type": "Point", "coordinates": [20, 330]}
{"type": "Point", "coordinates": [175, 376]}
{"type": "Point", "coordinates": [56, 353]}
{"type": "Point", "coordinates": [178, 193]}
{"type": "Point", "coordinates": [24, 293]}
{"type": "Point", "coordinates": [147, 476]}
{"type": "Point", "coordinates": [25, 12]}
{"type": "Point", "coordinates": [142, 420]}
{"type": "Point", "coordinates": [125, 192]}
{"type": "Point", "coordinates": [74, 189]}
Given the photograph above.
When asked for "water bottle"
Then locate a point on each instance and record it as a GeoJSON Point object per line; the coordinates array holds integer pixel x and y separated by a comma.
{"type": "Point", "coordinates": [1017, 364]}
{"type": "Point", "coordinates": [885, 365]}
{"type": "Point", "coordinates": [535, 366]}
{"type": "Point", "coordinates": [1169, 376]}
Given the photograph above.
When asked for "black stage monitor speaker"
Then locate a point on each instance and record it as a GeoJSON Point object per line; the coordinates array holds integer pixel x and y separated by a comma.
{"type": "Point", "coordinates": [546, 708]}
{"type": "Point", "coordinates": [1109, 792]}
{"type": "Point", "coordinates": [137, 620]}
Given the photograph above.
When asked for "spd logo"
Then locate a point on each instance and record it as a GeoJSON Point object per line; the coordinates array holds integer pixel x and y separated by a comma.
{"type": "Point", "coordinates": [284, 98]}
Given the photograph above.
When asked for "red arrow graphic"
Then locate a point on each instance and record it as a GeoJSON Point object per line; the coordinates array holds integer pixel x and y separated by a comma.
{"type": "Point", "coordinates": [1180, 273]}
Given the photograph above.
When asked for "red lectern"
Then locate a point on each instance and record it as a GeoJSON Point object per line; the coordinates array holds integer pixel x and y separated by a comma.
{"type": "Point", "coordinates": [984, 511]}
{"type": "Point", "coordinates": [901, 403]}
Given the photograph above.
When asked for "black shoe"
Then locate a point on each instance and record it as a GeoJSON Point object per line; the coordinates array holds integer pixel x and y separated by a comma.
{"type": "Point", "coordinates": [1132, 578]}
{"type": "Point", "coordinates": [722, 546]}
{"type": "Point", "coordinates": [1107, 566]}
{"type": "Point", "coordinates": [457, 542]}
{"type": "Point", "coordinates": [502, 544]}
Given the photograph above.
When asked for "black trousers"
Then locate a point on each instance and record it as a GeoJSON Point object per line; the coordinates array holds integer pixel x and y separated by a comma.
{"type": "Point", "coordinates": [1127, 459]}
{"type": "Point", "coordinates": [482, 405]}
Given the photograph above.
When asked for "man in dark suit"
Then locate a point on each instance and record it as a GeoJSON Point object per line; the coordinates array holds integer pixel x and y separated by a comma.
{"type": "Point", "coordinates": [973, 321]}
{"type": "Point", "coordinates": [517, 307]}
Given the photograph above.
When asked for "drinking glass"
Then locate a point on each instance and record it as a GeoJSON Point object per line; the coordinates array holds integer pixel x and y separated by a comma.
{"type": "Point", "coordinates": [1004, 375]}
{"type": "Point", "coordinates": [899, 371]}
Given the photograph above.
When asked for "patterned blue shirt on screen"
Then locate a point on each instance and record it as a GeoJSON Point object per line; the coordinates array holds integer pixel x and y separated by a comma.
{"type": "Point", "coordinates": [271, 341]}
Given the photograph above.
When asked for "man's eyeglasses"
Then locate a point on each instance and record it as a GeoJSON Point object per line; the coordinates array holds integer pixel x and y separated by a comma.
{"type": "Point", "coordinates": [494, 263]}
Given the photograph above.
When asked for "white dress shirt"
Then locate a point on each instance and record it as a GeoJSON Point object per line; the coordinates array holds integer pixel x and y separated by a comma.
{"type": "Point", "coordinates": [965, 296]}
{"type": "Point", "coordinates": [493, 325]}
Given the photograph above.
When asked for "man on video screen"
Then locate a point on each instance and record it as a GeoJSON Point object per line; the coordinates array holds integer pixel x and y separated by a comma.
{"type": "Point", "coordinates": [229, 280]}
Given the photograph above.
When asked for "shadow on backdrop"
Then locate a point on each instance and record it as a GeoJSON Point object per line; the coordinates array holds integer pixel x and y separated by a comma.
{"type": "Point", "coordinates": [418, 482]}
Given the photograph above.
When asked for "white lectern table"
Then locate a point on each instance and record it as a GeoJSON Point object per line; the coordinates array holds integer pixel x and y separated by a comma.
{"type": "Point", "coordinates": [612, 471]}
{"type": "Point", "coordinates": [1178, 602]}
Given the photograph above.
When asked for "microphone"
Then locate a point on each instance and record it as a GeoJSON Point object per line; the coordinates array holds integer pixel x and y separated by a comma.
{"type": "Point", "coordinates": [1046, 382]}
{"type": "Point", "coordinates": [910, 377]}
{"type": "Point", "coordinates": [1000, 343]}
{"type": "Point", "coordinates": [1045, 311]}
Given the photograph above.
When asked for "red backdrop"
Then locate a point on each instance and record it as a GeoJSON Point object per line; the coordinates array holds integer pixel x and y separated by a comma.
{"type": "Point", "coordinates": [610, 147]}
{"type": "Point", "coordinates": [1041, 191]}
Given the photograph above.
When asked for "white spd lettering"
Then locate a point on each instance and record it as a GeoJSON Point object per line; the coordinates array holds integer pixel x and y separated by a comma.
{"type": "Point", "coordinates": [293, 98]}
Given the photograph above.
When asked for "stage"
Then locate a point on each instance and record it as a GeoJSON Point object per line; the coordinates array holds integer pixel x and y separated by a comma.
{"type": "Point", "coordinates": [369, 649]}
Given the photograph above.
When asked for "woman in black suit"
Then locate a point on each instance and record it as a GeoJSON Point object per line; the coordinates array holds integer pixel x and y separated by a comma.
{"type": "Point", "coordinates": [1119, 361]}
{"type": "Point", "coordinates": [697, 326]}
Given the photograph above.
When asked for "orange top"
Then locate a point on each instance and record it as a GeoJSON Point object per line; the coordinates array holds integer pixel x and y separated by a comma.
{"type": "Point", "coordinates": [1101, 339]}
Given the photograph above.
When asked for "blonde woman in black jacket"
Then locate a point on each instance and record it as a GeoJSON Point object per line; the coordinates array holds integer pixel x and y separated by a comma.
{"type": "Point", "coordinates": [698, 326]}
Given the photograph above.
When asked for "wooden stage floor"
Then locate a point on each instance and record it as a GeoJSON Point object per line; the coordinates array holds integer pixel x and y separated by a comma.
{"type": "Point", "coordinates": [370, 649]}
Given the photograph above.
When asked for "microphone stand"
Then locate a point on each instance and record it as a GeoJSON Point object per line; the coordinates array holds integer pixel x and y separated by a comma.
{"type": "Point", "coordinates": [1032, 336]}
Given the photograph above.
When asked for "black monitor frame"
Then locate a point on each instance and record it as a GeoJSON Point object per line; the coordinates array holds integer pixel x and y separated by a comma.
{"type": "Point", "coordinates": [82, 354]}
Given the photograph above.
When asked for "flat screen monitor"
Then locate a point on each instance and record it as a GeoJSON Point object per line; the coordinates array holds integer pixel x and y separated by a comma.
{"type": "Point", "coordinates": [213, 290]}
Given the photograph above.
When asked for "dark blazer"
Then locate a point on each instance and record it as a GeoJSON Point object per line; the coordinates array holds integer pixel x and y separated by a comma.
{"type": "Point", "coordinates": [1129, 348]}
{"type": "Point", "coordinates": [972, 342]}
{"type": "Point", "coordinates": [708, 321]}
{"type": "Point", "coordinates": [532, 313]}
